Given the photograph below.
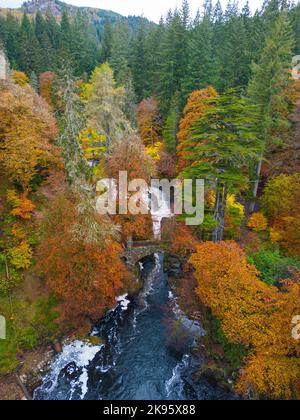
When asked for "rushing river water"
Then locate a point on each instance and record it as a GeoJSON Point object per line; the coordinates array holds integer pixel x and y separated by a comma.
{"type": "Point", "coordinates": [137, 361]}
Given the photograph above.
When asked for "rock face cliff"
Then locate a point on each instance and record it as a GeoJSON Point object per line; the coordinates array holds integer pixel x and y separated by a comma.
{"type": "Point", "coordinates": [43, 6]}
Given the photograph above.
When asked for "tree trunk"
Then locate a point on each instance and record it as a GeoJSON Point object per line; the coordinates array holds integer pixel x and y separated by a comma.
{"type": "Point", "coordinates": [256, 185]}
{"type": "Point", "coordinates": [220, 210]}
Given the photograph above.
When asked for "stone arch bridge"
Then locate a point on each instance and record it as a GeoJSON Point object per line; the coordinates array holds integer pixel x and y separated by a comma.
{"type": "Point", "coordinates": [137, 251]}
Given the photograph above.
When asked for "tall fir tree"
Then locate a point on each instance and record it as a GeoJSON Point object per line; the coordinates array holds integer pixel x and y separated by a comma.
{"type": "Point", "coordinates": [271, 76]}
{"type": "Point", "coordinates": [139, 65]}
{"type": "Point", "coordinates": [225, 163]}
{"type": "Point", "coordinates": [171, 126]}
{"type": "Point", "coordinates": [201, 70]}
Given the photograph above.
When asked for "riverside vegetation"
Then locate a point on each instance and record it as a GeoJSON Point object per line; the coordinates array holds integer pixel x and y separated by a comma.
{"type": "Point", "coordinates": [211, 97]}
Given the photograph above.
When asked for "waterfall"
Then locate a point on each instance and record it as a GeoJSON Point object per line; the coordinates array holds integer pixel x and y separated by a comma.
{"type": "Point", "coordinates": [163, 211]}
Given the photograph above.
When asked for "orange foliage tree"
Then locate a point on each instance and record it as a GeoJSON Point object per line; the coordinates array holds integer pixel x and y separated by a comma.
{"type": "Point", "coordinates": [129, 155]}
{"type": "Point", "coordinates": [183, 242]}
{"type": "Point", "coordinates": [252, 314]}
{"type": "Point", "coordinates": [195, 108]}
{"type": "Point", "coordinates": [258, 222]}
{"type": "Point", "coordinates": [26, 131]}
{"type": "Point", "coordinates": [85, 277]}
{"type": "Point", "coordinates": [149, 122]}
{"type": "Point", "coordinates": [22, 206]}
{"type": "Point", "coordinates": [46, 82]}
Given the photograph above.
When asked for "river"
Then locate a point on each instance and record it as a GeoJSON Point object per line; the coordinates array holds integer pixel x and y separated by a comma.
{"type": "Point", "coordinates": [138, 360]}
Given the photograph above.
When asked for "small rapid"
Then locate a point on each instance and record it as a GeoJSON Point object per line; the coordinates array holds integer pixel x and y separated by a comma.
{"type": "Point", "coordinates": [137, 361]}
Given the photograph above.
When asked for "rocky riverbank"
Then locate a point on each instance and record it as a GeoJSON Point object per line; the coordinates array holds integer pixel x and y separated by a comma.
{"type": "Point", "coordinates": [33, 367]}
{"type": "Point", "coordinates": [211, 361]}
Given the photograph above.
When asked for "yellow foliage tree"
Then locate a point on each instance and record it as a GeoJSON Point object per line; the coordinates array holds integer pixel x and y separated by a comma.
{"type": "Point", "coordinates": [93, 144]}
{"type": "Point", "coordinates": [21, 255]}
{"type": "Point", "coordinates": [281, 201]}
{"type": "Point", "coordinates": [20, 78]}
{"type": "Point", "coordinates": [258, 222]}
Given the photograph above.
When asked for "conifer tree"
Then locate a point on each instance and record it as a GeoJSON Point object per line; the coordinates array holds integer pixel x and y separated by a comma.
{"type": "Point", "coordinates": [106, 42]}
{"type": "Point", "coordinates": [105, 105]}
{"type": "Point", "coordinates": [28, 46]}
{"type": "Point", "coordinates": [120, 52]}
{"type": "Point", "coordinates": [139, 64]}
{"type": "Point", "coordinates": [171, 126]}
{"type": "Point", "coordinates": [267, 86]}
{"type": "Point", "coordinates": [222, 145]}
{"type": "Point", "coordinates": [201, 70]}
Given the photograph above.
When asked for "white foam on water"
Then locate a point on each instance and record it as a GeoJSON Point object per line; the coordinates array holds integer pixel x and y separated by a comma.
{"type": "Point", "coordinates": [175, 383]}
{"type": "Point", "coordinates": [81, 354]}
{"type": "Point", "coordinates": [191, 325]}
{"type": "Point", "coordinates": [164, 211]}
{"type": "Point", "coordinates": [148, 285]}
{"type": "Point", "coordinates": [123, 301]}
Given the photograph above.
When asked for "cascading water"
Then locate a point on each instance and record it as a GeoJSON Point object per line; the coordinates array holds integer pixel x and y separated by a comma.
{"type": "Point", "coordinates": [137, 361]}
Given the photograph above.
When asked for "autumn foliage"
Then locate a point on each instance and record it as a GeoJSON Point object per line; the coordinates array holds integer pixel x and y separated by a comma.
{"type": "Point", "coordinates": [252, 314]}
{"type": "Point", "coordinates": [258, 222]}
{"type": "Point", "coordinates": [281, 201]}
{"type": "Point", "coordinates": [149, 122]}
{"type": "Point", "coordinates": [129, 155]}
{"type": "Point", "coordinates": [84, 277]}
{"type": "Point", "coordinates": [46, 82]}
{"type": "Point", "coordinates": [183, 242]}
{"type": "Point", "coordinates": [26, 131]}
{"type": "Point", "coordinates": [197, 104]}
{"type": "Point", "coordinates": [20, 78]}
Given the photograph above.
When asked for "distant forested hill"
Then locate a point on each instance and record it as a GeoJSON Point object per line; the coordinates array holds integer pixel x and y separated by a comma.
{"type": "Point", "coordinates": [42, 32]}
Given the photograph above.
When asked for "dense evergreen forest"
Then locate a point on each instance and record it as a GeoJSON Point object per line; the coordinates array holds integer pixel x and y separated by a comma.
{"type": "Point", "coordinates": [177, 56]}
{"type": "Point", "coordinates": [211, 97]}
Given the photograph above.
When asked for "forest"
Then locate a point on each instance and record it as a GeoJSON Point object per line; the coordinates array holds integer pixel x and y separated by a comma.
{"type": "Point", "coordinates": [214, 96]}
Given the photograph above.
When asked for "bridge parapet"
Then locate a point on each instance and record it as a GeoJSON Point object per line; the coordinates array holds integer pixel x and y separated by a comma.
{"type": "Point", "coordinates": [141, 250]}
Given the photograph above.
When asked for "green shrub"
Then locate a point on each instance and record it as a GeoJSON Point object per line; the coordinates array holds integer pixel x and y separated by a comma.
{"type": "Point", "coordinates": [45, 317]}
{"type": "Point", "coordinates": [29, 338]}
{"type": "Point", "coordinates": [234, 353]}
{"type": "Point", "coordinates": [273, 266]}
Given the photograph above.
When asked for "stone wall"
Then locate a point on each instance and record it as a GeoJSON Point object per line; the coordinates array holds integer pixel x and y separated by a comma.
{"type": "Point", "coordinates": [132, 256]}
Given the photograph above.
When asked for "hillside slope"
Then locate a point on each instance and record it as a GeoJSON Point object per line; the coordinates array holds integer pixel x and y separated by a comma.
{"type": "Point", "coordinates": [98, 16]}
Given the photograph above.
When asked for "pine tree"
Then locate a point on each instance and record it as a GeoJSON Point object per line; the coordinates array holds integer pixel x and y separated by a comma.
{"type": "Point", "coordinates": [120, 52]}
{"type": "Point", "coordinates": [201, 70]}
{"type": "Point", "coordinates": [33, 81]}
{"type": "Point", "coordinates": [83, 47]}
{"type": "Point", "coordinates": [65, 39]}
{"type": "Point", "coordinates": [10, 37]}
{"type": "Point", "coordinates": [139, 64]}
{"type": "Point", "coordinates": [171, 126]}
{"type": "Point", "coordinates": [45, 47]}
{"type": "Point", "coordinates": [222, 146]}
{"type": "Point", "coordinates": [29, 46]}
{"type": "Point", "coordinates": [105, 104]}
{"type": "Point", "coordinates": [295, 18]}
{"type": "Point", "coordinates": [269, 81]}
{"type": "Point", "coordinates": [234, 59]}
{"type": "Point", "coordinates": [174, 57]}
{"type": "Point", "coordinates": [106, 42]}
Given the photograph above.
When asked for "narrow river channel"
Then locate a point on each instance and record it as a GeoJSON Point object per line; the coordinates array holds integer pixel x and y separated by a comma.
{"type": "Point", "coordinates": [137, 361]}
